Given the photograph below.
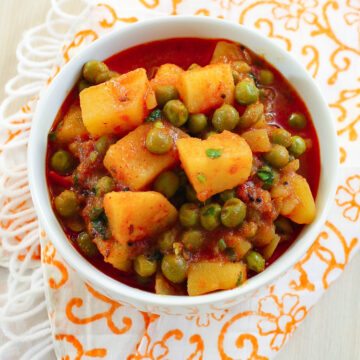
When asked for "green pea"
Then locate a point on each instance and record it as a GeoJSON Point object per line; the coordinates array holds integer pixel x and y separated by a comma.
{"type": "Point", "coordinates": [102, 144]}
{"type": "Point", "coordinates": [192, 239]}
{"type": "Point", "coordinates": [75, 224]}
{"type": "Point", "coordinates": [113, 74]}
{"type": "Point", "coordinates": [182, 177]}
{"type": "Point", "coordinates": [255, 261]}
{"type": "Point", "coordinates": [298, 145]}
{"type": "Point", "coordinates": [158, 141]}
{"type": "Point", "coordinates": [66, 204]}
{"type": "Point", "coordinates": [189, 215]}
{"type": "Point", "coordinates": [167, 184]}
{"type": "Point", "coordinates": [86, 245]}
{"type": "Point", "coordinates": [246, 92]}
{"type": "Point", "coordinates": [225, 117]}
{"type": "Point", "coordinates": [143, 266]}
{"type": "Point", "coordinates": [278, 156]}
{"type": "Point", "coordinates": [233, 213]}
{"type": "Point", "coordinates": [283, 225]}
{"type": "Point", "coordinates": [197, 123]}
{"type": "Point", "coordinates": [210, 216]}
{"type": "Point", "coordinates": [227, 195]}
{"type": "Point", "coordinates": [165, 93]}
{"type": "Point", "coordinates": [95, 72]}
{"type": "Point", "coordinates": [266, 77]}
{"type": "Point", "coordinates": [281, 137]}
{"type": "Point", "coordinates": [297, 121]}
{"type": "Point", "coordinates": [190, 193]}
{"type": "Point", "coordinates": [174, 268]}
{"type": "Point", "coordinates": [210, 133]}
{"type": "Point", "coordinates": [231, 254]}
{"type": "Point", "coordinates": [176, 112]}
{"type": "Point", "coordinates": [194, 66]}
{"type": "Point", "coordinates": [82, 84]}
{"type": "Point", "coordinates": [252, 114]}
{"type": "Point", "coordinates": [104, 185]}
{"type": "Point", "coordinates": [166, 240]}
{"type": "Point", "coordinates": [61, 161]}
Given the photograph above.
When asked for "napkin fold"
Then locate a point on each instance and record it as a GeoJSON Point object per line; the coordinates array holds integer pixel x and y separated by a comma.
{"type": "Point", "coordinates": [86, 323]}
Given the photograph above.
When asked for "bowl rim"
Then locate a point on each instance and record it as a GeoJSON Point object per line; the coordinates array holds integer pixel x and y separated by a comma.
{"type": "Point", "coordinates": [86, 270]}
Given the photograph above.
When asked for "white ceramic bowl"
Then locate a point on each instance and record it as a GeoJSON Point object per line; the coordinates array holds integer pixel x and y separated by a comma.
{"type": "Point", "coordinates": [164, 28]}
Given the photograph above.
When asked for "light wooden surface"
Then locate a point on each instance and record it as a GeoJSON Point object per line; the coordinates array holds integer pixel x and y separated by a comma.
{"type": "Point", "coordinates": [331, 330]}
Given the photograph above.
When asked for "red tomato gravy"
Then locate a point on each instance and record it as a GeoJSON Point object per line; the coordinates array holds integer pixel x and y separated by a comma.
{"type": "Point", "coordinates": [184, 52]}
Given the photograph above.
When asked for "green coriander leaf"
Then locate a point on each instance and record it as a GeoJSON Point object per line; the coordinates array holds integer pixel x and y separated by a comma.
{"type": "Point", "coordinates": [209, 211]}
{"type": "Point", "coordinates": [76, 179]}
{"type": "Point", "coordinates": [266, 174]}
{"type": "Point", "coordinates": [96, 212]}
{"type": "Point", "coordinates": [154, 115]}
{"type": "Point", "coordinates": [213, 153]}
{"type": "Point", "coordinates": [231, 254]}
{"type": "Point", "coordinates": [222, 244]}
{"type": "Point", "coordinates": [238, 282]}
{"type": "Point", "coordinates": [53, 135]}
{"type": "Point", "coordinates": [201, 177]}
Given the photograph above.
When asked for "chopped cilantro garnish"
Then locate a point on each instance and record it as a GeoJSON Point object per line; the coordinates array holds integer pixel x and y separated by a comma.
{"type": "Point", "coordinates": [76, 179]}
{"type": "Point", "coordinates": [222, 244]}
{"type": "Point", "coordinates": [266, 174]}
{"type": "Point", "coordinates": [231, 254]}
{"type": "Point", "coordinates": [53, 135]}
{"type": "Point", "coordinates": [96, 212]}
{"type": "Point", "coordinates": [201, 177]}
{"type": "Point", "coordinates": [209, 211]}
{"type": "Point", "coordinates": [154, 115]}
{"type": "Point", "coordinates": [99, 224]}
{"type": "Point", "coordinates": [213, 153]}
{"type": "Point", "coordinates": [238, 282]}
{"type": "Point", "coordinates": [154, 256]}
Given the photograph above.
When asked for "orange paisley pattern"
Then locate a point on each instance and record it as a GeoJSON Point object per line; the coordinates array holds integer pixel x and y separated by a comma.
{"type": "Point", "coordinates": [48, 257]}
{"type": "Point", "coordinates": [281, 318]}
{"type": "Point", "coordinates": [80, 352]}
{"type": "Point", "coordinates": [157, 350]}
{"type": "Point", "coordinates": [348, 197]}
{"type": "Point", "coordinates": [80, 38]}
{"type": "Point", "coordinates": [108, 315]}
{"type": "Point", "coordinates": [114, 18]}
{"type": "Point", "coordinates": [205, 319]}
{"type": "Point", "coordinates": [326, 256]}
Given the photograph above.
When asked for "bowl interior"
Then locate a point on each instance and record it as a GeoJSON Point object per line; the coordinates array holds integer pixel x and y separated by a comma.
{"type": "Point", "coordinates": [165, 28]}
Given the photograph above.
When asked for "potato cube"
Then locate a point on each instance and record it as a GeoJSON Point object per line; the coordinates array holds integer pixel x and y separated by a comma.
{"type": "Point", "coordinates": [114, 253]}
{"type": "Point", "coordinates": [219, 163]}
{"type": "Point", "coordinates": [239, 244]}
{"type": "Point", "coordinates": [133, 165]}
{"type": "Point", "coordinates": [205, 277]}
{"type": "Point", "coordinates": [162, 285]}
{"type": "Point", "coordinates": [167, 74]}
{"type": "Point", "coordinates": [118, 105]}
{"type": "Point", "coordinates": [305, 210]}
{"type": "Point", "coordinates": [72, 126]}
{"type": "Point", "coordinates": [258, 140]}
{"type": "Point", "coordinates": [227, 52]}
{"type": "Point", "coordinates": [137, 215]}
{"type": "Point", "coordinates": [202, 89]}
